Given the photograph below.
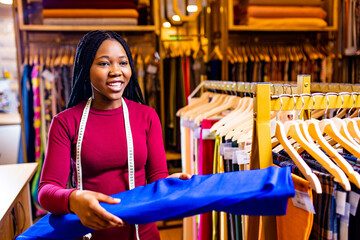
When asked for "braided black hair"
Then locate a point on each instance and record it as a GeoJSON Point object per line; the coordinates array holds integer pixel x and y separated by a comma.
{"type": "Point", "coordinates": [84, 57]}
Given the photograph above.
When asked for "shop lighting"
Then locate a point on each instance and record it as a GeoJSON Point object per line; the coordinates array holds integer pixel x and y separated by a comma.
{"type": "Point", "coordinates": [8, 2]}
{"type": "Point", "coordinates": [176, 18]}
{"type": "Point", "coordinates": [191, 8]}
{"type": "Point", "coordinates": [166, 25]}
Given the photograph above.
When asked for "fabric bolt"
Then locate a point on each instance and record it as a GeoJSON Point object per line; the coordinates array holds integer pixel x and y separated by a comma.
{"type": "Point", "coordinates": [264, 192]}
{"type": "Point", "coordinates": [285, 12]}
{"type": "Point", "coordinates": [107, 4]}
{"type": "Point", "coordinates": [286, 22]}
{"type": "Point", "coordinates": [90, 21]}
{"type": "Point", "coordinates": [104, 167]}
{"type": "Point", "coordinates": [90, 13]}
{"type": "Point", "coordinates": [287, 2]}
{"type": "Point", "coordinates": [297, 223]}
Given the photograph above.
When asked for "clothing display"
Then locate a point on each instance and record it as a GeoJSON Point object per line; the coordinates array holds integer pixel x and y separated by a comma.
{"type": "Point", "coordinates": [257, 100]}
{"type": "Point", "coordinates": [267, 189]}
{"type": "Point", "coordinates": [264, 63]}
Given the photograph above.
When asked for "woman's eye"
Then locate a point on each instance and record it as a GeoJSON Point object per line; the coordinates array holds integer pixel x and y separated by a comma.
{"type": "Point", "coordinates": [103, 64]}
{"type": "Point", "coordinates": [123, 63]}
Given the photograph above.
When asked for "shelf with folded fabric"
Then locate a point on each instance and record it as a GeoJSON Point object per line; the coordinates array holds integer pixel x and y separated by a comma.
{"type": "Point", "coordinates": [84, 28]}
{"type": "Point", "coordinates": [235, 28]}
{"type": "Point", "coordinates": [81, 20]}
{"type": "Point", "coordinates": [265, 15]}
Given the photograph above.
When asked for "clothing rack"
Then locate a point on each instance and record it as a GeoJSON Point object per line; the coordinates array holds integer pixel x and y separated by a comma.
{"type": "Point", "coordinates": [261, 156]}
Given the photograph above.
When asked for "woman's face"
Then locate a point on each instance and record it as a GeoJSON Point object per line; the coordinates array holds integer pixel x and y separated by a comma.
{"type": "Point", "coordinates": [110, 73]}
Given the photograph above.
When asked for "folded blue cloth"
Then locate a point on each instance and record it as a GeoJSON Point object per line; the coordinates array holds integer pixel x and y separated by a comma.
{"type": "Point", "coordinates": [254, 192]}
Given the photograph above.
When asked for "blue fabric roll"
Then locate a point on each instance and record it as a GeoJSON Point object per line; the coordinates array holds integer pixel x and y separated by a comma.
{"type": "Point", "coordinates": [254, 192]}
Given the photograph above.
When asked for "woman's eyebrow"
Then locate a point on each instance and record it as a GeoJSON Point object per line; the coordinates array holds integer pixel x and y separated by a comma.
{"type": "Point", "coordinates": [106, 56]}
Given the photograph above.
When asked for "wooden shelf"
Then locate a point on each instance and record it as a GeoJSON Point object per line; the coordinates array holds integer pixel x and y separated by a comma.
{"type": "Point", "coordinates": [86, 28]}
{"type": "Point", "coordinates": [280, 29]}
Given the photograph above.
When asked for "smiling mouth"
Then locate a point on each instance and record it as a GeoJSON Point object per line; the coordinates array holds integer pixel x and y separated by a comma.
{"type": "Point", "coordinates": [116, 86]}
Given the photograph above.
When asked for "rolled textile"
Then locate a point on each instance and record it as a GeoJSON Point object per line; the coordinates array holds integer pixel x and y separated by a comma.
{"type": "Point", "coordinates": [286, 22]}
{"type": "Point", "coordinates": [90, 21]}
{"type": "Point", "coordinates": [253, 192]}
{"type": "Point", "coordinates": [286, 12]}
{"type": "Point", "coordinates": [90, 13]}
{"type": "Point", "coordinates": [111, 4]}
{"type": "Point", "coordinates": [288, 2]}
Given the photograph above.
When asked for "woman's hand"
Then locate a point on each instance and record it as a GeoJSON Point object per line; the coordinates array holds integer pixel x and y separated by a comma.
{"type": "Point", "coordinates": [182, 176]}
{"type": "Point", "coordinates": [85, 204]}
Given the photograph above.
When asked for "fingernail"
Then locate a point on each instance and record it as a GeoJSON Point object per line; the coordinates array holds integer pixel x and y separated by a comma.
{"type": "Point", "coordinates": [117, 200]}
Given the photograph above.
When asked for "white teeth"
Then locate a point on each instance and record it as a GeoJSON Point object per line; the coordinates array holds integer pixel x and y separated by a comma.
{"type": "Point", "coordinates": [115, 84]}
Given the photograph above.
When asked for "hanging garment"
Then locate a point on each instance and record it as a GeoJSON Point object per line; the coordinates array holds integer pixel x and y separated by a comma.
{"type": "Point", "coordinates": [255, 192]}
{"type": "Point", "coordinates": [206, 156]}
{"type": "Point", "coordinates": [297, 223]}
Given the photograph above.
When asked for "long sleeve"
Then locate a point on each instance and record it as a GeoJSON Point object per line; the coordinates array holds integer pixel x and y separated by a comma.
{"type": "Point", "coordinates": [156, 167]}
{"type": "Point", "coordinates": [52, 193]}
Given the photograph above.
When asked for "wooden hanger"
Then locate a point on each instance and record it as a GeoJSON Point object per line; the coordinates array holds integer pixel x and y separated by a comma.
{"type": "Point", "coordinates": [36, 56]}
{"type": "Point", "coordinates": [215, 101]}
{"type": "Point", "coordinates": [204, 98]}
{"type": "Point", "coordinates": [41, 57]}
{"type": "Point", "coordinates": [243, 115]}
{"type": "Point", "coordinates": [300, 163]}
{"type": "Point", "coordinates": [243, 103]}
{"type": "Point", "coordinates": [315, 132]}
{"type": "Point", "coordinates": [58, 58]}
{"type": "Point", "coordinates": [26, 57]}
{"type": "Point", "coordinates": [292, 129]}
{"type": "Point", "coordinates": [230, 103]}
{"type": "Point", "coordinates": [72, 56]}
{"type": "Point", "coordinates": [48, 57]}
{"type": "Point", "coordinates": [215, 54]}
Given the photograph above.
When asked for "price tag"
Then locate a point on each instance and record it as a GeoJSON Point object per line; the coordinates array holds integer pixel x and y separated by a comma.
{"type": "Point", "coordinates": [151, 69]}
{"type": "Point", "coordinates": [222, 146]}
{"type": "Point", "coordinates": [206, 134]}
{"type": "Point", "coordinates": [302, 200]}
{"type": "Point", "coordinates": [228, 152]}
{"type": "Point", "coordinates": [48, 75]}
{"type": "Point", "coordinates": [354, 201]}
{"type": "Point", "coordinates": [242, 157]}
{"type": "Point", "coordinates": [340, 202]}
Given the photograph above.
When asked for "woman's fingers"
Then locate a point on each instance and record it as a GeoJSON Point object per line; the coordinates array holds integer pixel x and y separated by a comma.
{"type": "Point", "coordinates": [105, 215]}
{"type": "Point", "coordinates": [107, 199]}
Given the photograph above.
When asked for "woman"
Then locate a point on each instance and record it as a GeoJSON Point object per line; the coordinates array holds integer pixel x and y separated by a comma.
{"type": "Point", "coordinates": [103, 72]}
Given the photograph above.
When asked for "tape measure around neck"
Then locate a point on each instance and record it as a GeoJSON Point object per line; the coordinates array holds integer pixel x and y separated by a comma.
{"type": "Point", "coordinates": [130, 148]}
